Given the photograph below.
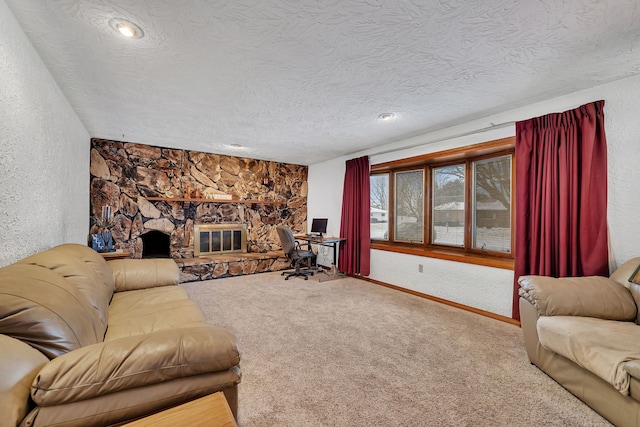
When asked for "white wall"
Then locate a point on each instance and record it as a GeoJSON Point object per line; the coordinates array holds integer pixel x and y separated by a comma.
{"type": "Point", "coordinates": [484, 287]}
{"type": "Point", "coordinates": [44, 153]}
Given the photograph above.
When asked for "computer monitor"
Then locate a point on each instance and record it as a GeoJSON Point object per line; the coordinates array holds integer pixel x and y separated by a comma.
{"type": "Point", "coordinates": [319, 226]}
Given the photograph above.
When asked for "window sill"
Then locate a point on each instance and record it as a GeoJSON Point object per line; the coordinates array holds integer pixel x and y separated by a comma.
{"type": "Point", "coordinates": [488, 261]}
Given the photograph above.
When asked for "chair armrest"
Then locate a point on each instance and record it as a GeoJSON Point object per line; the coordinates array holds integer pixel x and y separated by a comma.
{"type": "Point", "coordinates": [135, 361]}
{"type": "Point", "coordinates": [299, 246]}
{"type": "Point", "coordinates": [130, 274]}
{"type": "Point", "coordinates": [578, 296]}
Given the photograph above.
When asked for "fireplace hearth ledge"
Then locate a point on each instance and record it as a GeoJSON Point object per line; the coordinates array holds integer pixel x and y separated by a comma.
{"type": "Point", "coordinates": [228, 257]}
{"type": "Point", "coordinates": [207, 267]}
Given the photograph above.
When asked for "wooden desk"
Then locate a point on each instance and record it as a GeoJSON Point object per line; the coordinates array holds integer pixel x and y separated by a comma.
{"type": "Point", "coordinates": [208, 411]}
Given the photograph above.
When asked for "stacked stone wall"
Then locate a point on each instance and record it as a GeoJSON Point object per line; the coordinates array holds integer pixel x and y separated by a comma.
{"type": "Point", "coordinates": [124, 175]}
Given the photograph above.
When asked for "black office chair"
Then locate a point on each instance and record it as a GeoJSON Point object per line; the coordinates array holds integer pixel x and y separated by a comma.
{"type": "Point", "coordinates": [293, 250]}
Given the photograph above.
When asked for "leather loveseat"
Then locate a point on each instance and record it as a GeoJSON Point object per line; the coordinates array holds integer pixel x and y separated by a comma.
{"type": "Point", "coordinates": [584, 333]}
{"type": "Point", "coordinates": [85, 342]}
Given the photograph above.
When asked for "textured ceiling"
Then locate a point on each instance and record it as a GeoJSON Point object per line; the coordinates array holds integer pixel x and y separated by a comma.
{"type": "Point", "coordinates": [302, 81]}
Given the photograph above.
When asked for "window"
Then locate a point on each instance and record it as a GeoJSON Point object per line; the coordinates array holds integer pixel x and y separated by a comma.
{"type": "Point", "coordinates": [492, 204]}
{"type": "Point", "coordinates": [409, 206]}
{"type": "Point", "coordinates": [379, 188]}
{"type": "Point", "coordinates": [448, 212]}
{"type": "Point", "coordinates": [456, 202]}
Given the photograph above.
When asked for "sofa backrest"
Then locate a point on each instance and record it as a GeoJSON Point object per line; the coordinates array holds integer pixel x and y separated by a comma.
{"type": "Point", "coordinates": [56, 300]}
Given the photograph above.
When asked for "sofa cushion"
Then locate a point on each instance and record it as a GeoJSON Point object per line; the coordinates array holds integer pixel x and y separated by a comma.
{"type": "Point", "coordinates": [147, 310]}
{"type": "Point", "coordinates": [124, 302]}
{"type": "Point", "coordinates": [135, 361]}
{"type": "Point", "coordinates": [603, 347]}
{"type": "Point", "coordinates": [20, 365]}
{"type": "Point", "coordinates": [45, 310]}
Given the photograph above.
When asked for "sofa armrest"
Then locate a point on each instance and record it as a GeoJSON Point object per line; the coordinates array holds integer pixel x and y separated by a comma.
{"type": "Point", "coordinates": [130, 274]}
{"type": "Point", "coordinates": [135, 361]}
{"type": "Point", "coordinates": [593, 296]}
{"type": "Point", "coordinates": [19, 366]}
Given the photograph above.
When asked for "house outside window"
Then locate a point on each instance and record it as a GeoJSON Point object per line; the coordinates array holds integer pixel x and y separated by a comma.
{"type": "Point", "coordinates": [448, 213]}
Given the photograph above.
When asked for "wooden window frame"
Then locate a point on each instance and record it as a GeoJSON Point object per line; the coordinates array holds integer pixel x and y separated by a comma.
{"type": "Point", "coordinates": [466, 155]}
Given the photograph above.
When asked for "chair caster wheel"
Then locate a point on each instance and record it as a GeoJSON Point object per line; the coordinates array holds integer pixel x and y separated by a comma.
{"type": "Point", "coordinates": [286, 278]}
{"type": "Point", "coordinates": [306, 278]}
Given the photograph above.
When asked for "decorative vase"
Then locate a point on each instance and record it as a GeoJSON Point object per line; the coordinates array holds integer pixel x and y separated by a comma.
{"type": "Point", "coordinates": [107, 238]}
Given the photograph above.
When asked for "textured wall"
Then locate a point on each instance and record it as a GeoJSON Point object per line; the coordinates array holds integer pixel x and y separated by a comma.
{"type": "Point", "coordinates": [44, 153]}
{"type": "Point", "coordinates": [124, 174]}
{"type": "Point", "coordinates": [483, 287]}
{"type": "Point", "coordinates": [623, 149]}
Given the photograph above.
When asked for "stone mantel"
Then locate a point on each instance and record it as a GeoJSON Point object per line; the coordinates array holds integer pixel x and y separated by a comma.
{"type": "Point", "coordinates": [201, 200]}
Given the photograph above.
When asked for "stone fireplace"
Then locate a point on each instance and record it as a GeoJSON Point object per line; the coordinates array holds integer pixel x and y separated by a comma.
{"type": "Point", "coordinates": [213, 239]}
{"type": "Point", "coordinates": [155, 189]}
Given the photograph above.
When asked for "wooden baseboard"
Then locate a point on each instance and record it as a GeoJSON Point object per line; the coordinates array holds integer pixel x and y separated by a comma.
{"type": "Point", "coordinates": [444, 301]}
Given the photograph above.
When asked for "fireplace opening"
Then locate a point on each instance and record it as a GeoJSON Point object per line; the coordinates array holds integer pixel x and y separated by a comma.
{"type": "Point", "coordinates": [219, 238]}
{"type": "Point", "coordinates": [156, 244]}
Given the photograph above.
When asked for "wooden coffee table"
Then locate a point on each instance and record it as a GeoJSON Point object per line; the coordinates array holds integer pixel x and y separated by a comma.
{"type": "Point", "coordinates": [209, 411]}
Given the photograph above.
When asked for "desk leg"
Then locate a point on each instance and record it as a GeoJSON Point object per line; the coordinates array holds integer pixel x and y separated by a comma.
{"type": "Point", "coordinates": [333, 273]}
{"type": "Point", "coordinates": [334, 266]}
{"type": "Point", "coordinates": [335, 250]}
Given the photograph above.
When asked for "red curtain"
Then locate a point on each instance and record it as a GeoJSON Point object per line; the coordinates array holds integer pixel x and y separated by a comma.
{"type": "Point", "coordinates": [561, 195]}
{"type": "Point", "coordinates": [354, 224]}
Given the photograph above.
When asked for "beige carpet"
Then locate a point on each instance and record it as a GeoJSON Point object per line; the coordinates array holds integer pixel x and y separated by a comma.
{"type": "Point", "coordinates": [352, 353]}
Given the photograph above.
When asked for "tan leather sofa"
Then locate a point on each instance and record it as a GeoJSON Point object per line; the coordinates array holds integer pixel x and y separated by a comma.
{"type": "Point", "coordinates": [584, 333]}
{"type": "Point", "coordinates": [84, 342]}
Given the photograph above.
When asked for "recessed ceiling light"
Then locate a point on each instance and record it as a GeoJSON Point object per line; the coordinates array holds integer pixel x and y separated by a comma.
{"type": "Point", "coordinates": [126, 28]}
{"type": "Point", "coordinates": [386, 116]}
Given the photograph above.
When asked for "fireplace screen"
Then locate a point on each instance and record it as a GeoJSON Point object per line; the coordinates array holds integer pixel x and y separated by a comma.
{"type": "Point", "coordinates": [219, 238]}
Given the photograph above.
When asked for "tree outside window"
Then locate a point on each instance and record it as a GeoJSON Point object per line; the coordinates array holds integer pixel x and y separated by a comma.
{"type": "Point", "coordinates": [409, 208]}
